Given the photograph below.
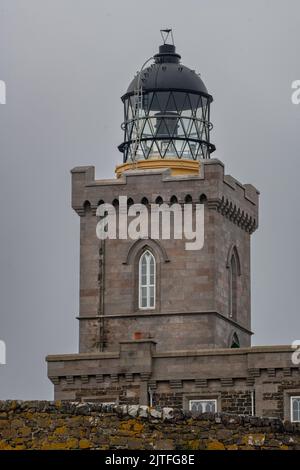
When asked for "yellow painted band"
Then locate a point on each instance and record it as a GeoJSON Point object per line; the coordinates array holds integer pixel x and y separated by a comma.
{"type": "Point", "coordinates": [177, 167]}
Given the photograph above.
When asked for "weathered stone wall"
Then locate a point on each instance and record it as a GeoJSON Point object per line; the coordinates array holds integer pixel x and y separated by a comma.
{"type": "Point", "coordinates": [66, 425]}
{"type": "Point", "coordinates": [237, 402]}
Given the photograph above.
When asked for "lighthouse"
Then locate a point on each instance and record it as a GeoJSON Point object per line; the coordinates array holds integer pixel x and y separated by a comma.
{"type": "Point", "coordinates": [161, 325]}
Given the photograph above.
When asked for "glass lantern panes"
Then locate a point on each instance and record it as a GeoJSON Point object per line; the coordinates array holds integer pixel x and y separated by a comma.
{"type": "Point", "coordinates": [166, 124]}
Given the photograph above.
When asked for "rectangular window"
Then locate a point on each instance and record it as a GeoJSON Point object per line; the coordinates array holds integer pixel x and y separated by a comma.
{"type": "Point", "coordinates": [203, 406]}
{"type": "Point", "coordinates": [295, 409]}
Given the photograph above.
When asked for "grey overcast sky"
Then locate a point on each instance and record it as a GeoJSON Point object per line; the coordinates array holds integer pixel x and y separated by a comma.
{"type": "Point", "coordinates": [66, 63]}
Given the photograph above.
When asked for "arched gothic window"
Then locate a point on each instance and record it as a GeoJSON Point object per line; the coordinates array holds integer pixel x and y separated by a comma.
{"type": "Point", "coordinates": [233, 278]}
{"type": "Point", "coordinates": [235, 342]}
{"type": "Point", "coordinates": [147, 280]}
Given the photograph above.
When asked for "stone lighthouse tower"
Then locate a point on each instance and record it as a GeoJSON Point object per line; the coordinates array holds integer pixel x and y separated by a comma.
{"type": "Point", "coordinates": [189, 299]}
{"type": "Point", "coordinates": [160, 324]}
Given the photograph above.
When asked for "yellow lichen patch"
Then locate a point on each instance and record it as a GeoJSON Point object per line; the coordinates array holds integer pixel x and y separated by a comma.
{"type": "Point", "coordinates": [60, 422]}
{"type": "Point", "coordinates": [284, 447]}
{"type": "Point", "coordinates": [132, 425]}
{"type": "Point", "coordinates": [232, 447]}
{"type": "Point", "coordinates": [47, 445]}
{"type": "Point", "coordinates": [19, 440]}
{"type": "Point", "coordinates": [84, 444]}
{"type": "Point", "coordinates": [193, 444]}
{"type": "Point", "coordinates": [60, 430]}
{"type": "Point", "coordinates": [215, 445]}
{"type": "Point", "coordinates": [5, 446]}
{"type": "Point", "coordinates": [25, 431]}
{"type": "Point", "coordinates": [71, 443]}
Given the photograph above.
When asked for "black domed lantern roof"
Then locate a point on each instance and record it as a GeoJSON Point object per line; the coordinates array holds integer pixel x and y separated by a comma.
{"type": "Point", "coordinates": [166, 110]}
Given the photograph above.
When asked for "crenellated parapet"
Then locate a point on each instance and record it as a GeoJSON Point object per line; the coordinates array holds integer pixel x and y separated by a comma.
{"type": "Point", "coordinates": [235, 201]}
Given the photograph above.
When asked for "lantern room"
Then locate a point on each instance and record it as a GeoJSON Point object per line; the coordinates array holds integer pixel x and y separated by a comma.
{"type": "Point", "coordinates": [166, 111]}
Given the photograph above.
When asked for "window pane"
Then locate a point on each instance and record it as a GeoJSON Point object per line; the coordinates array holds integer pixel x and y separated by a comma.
{"type": "Point", "coordinates": [151, 294]}
{"type": "Point", "coordinates": [201, 406]}
{"type": "Point", "coordinates": [144, 266]}
{"type": "Point", "coordinates": [196, 406]}
{"type": "Point", "coordinates": [296, 409]}
{"type": "Point", "coordinates": [144, 296]}
{"type": "Point", "coordinates": [210, 407]}
{"type": "Point", "coordinates": [144, 292]}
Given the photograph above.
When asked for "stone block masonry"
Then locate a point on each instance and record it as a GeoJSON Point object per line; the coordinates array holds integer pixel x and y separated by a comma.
{"type": "Point", "coordinates": [43, 425]}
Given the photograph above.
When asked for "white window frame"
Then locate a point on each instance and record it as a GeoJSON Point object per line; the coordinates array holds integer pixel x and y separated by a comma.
{"type": "Point", "coordinates": [291, 407]}
{"type": "Point", "coordinates": [147, 285]}
{"type": "Point", "coordinates": [204, 400]}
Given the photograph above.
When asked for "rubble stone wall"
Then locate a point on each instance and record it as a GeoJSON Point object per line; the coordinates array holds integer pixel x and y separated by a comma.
{"type": "Point", "coordinates": [66, 425]}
